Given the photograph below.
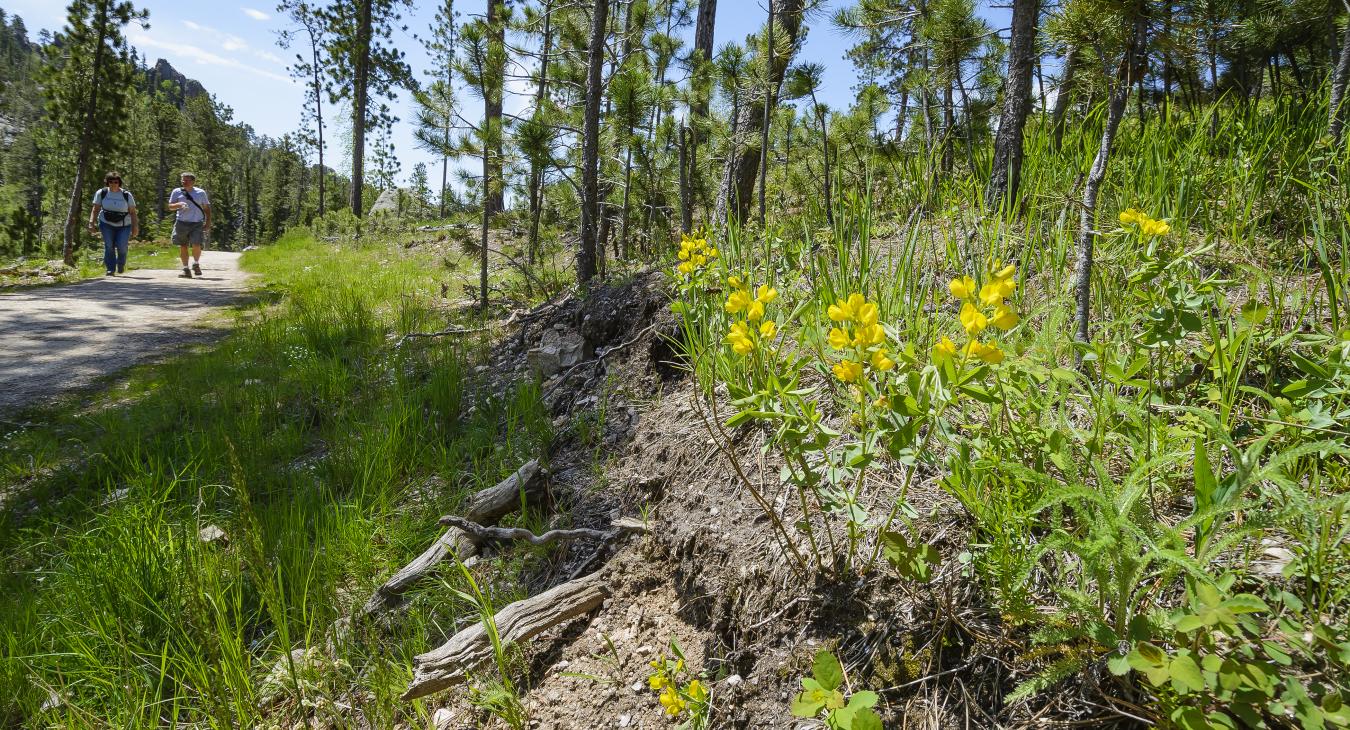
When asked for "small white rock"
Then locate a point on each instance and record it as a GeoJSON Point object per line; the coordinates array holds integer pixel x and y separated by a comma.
{"type": "Point", "coordinates": [734, 680]}
{"type": "Point", "coordinates": [625, 720]}
{"type": "Point", "coordinates": [712, 511]}
{"type": "Point", "coordinates": [637, 687]}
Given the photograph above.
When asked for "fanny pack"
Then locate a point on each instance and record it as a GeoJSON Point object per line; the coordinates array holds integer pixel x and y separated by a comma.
{"type": "Point", "coordinates": [113, 216]}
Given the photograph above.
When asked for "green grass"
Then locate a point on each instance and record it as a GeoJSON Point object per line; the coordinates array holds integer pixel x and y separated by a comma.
{"type": "Point", "coordinates": [323, 453]}
{"type": "Point", "coordinates": [89, 263]}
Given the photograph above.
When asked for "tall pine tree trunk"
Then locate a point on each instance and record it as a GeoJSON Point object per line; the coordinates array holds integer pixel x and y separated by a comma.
{"type": "Point", "coordinates": [735, 198]}
{"type": "Point", "coordinates": [1339, 82]}
{"type": "Point", "coordinates": [87, 131]}
{"type": "Point", "coordinates": [698, 107]}
{"type": "Point", "coordinates": [1087, 223]}
{"type": "Point", "coordinates": [769, 100]}
{"type": "Point", "coordinates": [318, 108]}
{"type": "Point", "coordinates": [536, 171]}
{"type": "Point", "coordinates": [1007, 170]}
{"type": "Point", "coordinates": [496, 36]}
{"type": "Point", "coordinates": [1063, 97]}
{"type": "Point", "coordinates": [590, 144]}
{"type": "Point", "coordinates": [686, 202]}
{"type": "Point", "coordinates": [360, 98]}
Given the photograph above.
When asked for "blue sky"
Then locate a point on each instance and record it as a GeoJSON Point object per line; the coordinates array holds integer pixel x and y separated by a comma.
{"type": "Point", "coordinates": [231, 48]}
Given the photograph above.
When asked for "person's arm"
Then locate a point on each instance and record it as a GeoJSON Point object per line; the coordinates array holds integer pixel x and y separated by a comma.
{"type": "Point", "coordinates": [175, 204]}
{"type": "Point", "coordinates": [135, 220]}
{"type": "Point", "coordinates": [93, 216]}
{"type": "Point", "coordinates": [206, 208]}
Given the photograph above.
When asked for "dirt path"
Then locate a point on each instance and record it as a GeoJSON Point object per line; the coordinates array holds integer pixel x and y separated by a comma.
{"type": "Point", "coordinates": [58, 338]}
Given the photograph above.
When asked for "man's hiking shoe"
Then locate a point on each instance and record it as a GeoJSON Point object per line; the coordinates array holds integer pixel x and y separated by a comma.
{"type": "Point", "coordinates": [197, 269]}
{"type": "Point", "coordinates": [187, 273]}
{"type": "Point", "coordinates": [108, 273]}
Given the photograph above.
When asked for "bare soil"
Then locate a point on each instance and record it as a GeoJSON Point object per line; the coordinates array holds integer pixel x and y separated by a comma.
{"type": "Point", "coordinates": [61, 338]}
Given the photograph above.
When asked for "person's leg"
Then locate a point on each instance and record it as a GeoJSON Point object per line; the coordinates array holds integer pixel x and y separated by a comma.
{"type": "Point", "coordinates": [109, 249]}
{"type": "Point", "coordinates": [180, 237]}
{"type": "Point", "coordinates": [123, 243]}
{"type": "Point", "coordinates": [198, 238]}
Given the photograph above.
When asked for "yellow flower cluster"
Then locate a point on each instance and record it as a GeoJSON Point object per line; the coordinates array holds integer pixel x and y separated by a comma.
{"type": "Point", "coordinates": [695, 253]}
{"type": "Point", "coordinates": [982, 307]}
{"type": "Point", "coordinates": [748, 334]}
{"type": "Point", "coordinates": [860, 332]}
{"type": "Point", "coordinates": [672, 700]}
{"type": "Point", "coordinates": [1148, 226]}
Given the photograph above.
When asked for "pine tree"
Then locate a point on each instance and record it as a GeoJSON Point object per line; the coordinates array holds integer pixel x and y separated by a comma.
{"type": "Point", "coordinates": [587, 258]}
{"type": "Point", "coordinates": [363, 65]}
{"type": "Point", "coordinates": [310, 69]}
{"type": "Point", "coordinates": [87, 78]}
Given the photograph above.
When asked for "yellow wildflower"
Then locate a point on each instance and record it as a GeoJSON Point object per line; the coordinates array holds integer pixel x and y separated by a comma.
{"type": "Point", "coordinates": [881, 362]}
{"type": "Point", "coordinates": [882, 403]}
{"type": "Point", "coordinates": [1004, 318]}
{"type": "Point", "coordinates": [972, 319]}
{"type": "Point", "coordinates": [991, 294]}
{"type": "Point", "coordinates": [657, 681]}
{"type": "Point", "coordinates": [670, 700]}
{"type": "Point", "coordinates": [755, 311]}
{"type": "Point", "coordinates": [684, 254]}
{"type": "Point", "coordinates": [740, 339]}
{"type": "Point", "coordinates": [839, 338]}
{"type": "Point", "coordinates": [848, 371]}
{"type": "Point", "coordinates": [686, 268]}
{"type": "Point", "coordinates": [734, 282]}
{"type": "Point", "coordinates": [768, 329]}
{"type": "Point", "coordinates": [987, 353]}
{"type": "Point", "coordinates": [1006, 273]}
{"type": "Point", "coordinates": [945, 349]}
{"type": "Point", "coordinates": [1130, 216]}
{"type": "Point", "coordinates": [766, 293]}
{"type": "Point", "coordinates": [696, 691]}
{"type": "Point", "coordinates": [1152, 227]}
{"type": "Point", "coordinates": [869, 335]}
{"type": "Point", "coordinates": [963, 288]}
{"type": "Point", "coordinates": [738, 301]}
{"type": "Point", "coordinates": [867, 314]}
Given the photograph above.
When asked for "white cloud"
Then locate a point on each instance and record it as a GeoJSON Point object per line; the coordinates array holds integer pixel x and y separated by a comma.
{"type": "Point", "coordinates": [194, 26]}
{"type": "Point", "coordinates": [189, 52]}
{"type": "Point", "coordinates": [233, 43]}
{"type": "Point", "coordinates": [256, 14]}
{"type": "Point", "coordinates": [270, 57]}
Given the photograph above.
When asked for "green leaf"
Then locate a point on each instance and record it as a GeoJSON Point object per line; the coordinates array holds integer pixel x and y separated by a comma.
{"type": "Point", "coordinates": [865, 698]}
{"type": "Point", "coordinates": [1118, 665]}
{"type": "Point", "coordinates": [1188, 623]}
{"type": "Point", "coordinates": [1246, 603]}
{"type": "Point", "coordinates": [1185, 674]}
{"type": "Point", "coordinates": [1254, 312]}
{"type": "Point", "coordinates": [866, 719]}
{"type": "Point", "coordinates": [827, 670]}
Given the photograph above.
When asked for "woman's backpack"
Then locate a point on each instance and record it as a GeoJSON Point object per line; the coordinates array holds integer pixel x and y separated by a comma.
{"type": "Point", "coordinates": [113, 216]}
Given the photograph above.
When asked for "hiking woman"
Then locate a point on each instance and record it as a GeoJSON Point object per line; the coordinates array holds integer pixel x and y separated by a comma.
{"type": "Point", "coordinates": [114, 214]}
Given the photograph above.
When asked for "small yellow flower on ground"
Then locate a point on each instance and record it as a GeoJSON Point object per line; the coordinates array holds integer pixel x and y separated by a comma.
{"type": "Point", "coordinates": [657, 681]}
{"type": "Point", "coordinates": [881, 362]}
{"type": "Point", "coordinates": [766, 293]}
{"type": "Point", "coordinates": [755, 311]}
{"type": "Point", "coordinates": [670, 700]}
{"type": "Point", "coordinates": [734, 282]}
{"type": "Point", "coordinates": [696, 691]}
{"type": "Point", "coordinates": [768, 329]}
{"type": "Point", "coordinates": [1153, 227]}
{"type": "Point", "coordinates": [1130, 216]}
{"type": "Point", "coordinates": [848, 371]}
{"type": "Point", "coordinates": [871, 334]}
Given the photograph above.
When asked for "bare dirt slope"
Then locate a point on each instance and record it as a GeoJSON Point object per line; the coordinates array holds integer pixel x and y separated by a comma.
{"type": "Point", "coordinates": [55, 339]}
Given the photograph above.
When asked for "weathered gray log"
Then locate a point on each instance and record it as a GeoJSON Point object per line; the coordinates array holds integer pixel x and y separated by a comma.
{"type": "Point", "coordinates": [483, 533]}
{"type": "Point", "coordinates": [466, 651]}
{"type": "Point", "coordinates": [485, 507]}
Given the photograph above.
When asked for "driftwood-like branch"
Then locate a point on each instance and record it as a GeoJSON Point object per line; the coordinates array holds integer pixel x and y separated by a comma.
{"type": "Point", "coordinates": [471, 648]}
{"type": "Point", "coordinates": [482, 533]}
{"type": "Point", "coordinates": [485, 507]}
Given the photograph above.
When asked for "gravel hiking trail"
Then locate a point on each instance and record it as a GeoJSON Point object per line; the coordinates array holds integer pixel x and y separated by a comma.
{"type": "Point", "coordinates": [59, 338]}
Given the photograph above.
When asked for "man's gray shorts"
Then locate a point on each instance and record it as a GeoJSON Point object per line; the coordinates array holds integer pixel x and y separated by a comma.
{"type": "Point", "coordinates": [185, 233]}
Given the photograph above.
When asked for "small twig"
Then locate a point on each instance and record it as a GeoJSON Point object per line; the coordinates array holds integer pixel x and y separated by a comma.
{"type": "Point", "coordinates": [925, 679]}
{"type": "Point", "coordinates": [442, 333]}
{"type": "Point", "coordinates": [482, 533]}
{"type": "Point", "coordinates": [777, 614]}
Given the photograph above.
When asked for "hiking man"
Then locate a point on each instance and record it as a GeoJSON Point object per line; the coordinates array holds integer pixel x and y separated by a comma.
{"type": "Point", "coordinates": [193, 222]}
{"type": "Point", "coordinates": [114, 216]}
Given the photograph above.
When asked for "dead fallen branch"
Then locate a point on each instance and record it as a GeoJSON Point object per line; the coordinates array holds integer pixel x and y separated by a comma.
{"type": "Point", "coordinates": [466, 651]}
{"type": "Point", "coordinates": [485, 507]}
{"type": "Point", "coordinates": [483, 533]}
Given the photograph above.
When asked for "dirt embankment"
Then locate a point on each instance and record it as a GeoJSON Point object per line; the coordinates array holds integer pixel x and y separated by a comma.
{"type": "Point", "coordinates": [634, 440]}
{"type": "Point", "coordinates": [60, 338]}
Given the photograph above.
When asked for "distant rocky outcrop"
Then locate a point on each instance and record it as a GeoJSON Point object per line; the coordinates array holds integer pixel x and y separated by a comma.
{"type": "Point", "coordinates": [183, 88]}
